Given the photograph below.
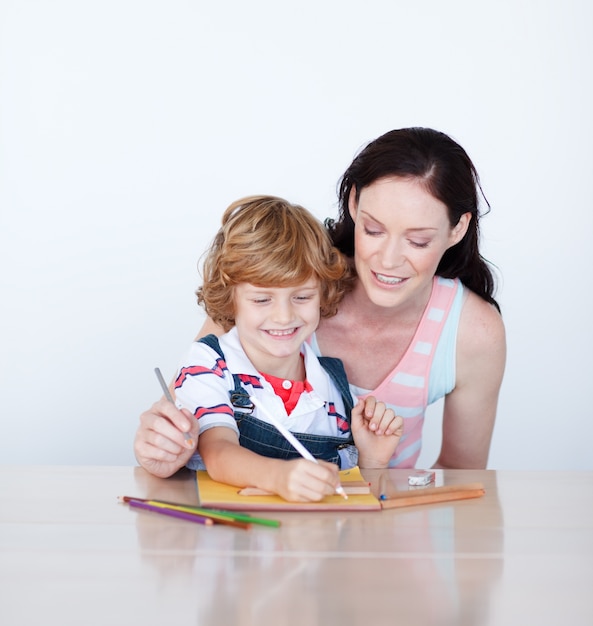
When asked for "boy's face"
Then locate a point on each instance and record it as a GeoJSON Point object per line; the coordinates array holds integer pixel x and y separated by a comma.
{"type": "Point", "coordinates": [273, 322]}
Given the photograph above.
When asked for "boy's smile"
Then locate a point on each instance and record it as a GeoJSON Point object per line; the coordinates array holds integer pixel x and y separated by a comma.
{"type": "Point", "coordinates": [273, 322]}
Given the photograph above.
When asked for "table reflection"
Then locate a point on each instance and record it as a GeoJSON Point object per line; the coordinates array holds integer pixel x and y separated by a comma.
{"type": "Point", "coordinates": [314, 568]}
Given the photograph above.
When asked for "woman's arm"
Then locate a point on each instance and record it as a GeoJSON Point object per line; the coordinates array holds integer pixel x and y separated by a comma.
{"type": "Point", "coordinates": [470, 409]}
{"type": "Point", "coordinates": [210, 328]}
{"type": "Point", "coordinates": [159, 444]}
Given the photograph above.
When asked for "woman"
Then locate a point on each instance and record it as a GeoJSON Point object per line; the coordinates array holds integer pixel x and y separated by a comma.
{"type": "Point", "coordinates": [421, 321]}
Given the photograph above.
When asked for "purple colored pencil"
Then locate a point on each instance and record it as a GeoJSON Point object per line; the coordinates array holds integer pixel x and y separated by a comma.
{"type": "Point", "coordinates": [190, 517]}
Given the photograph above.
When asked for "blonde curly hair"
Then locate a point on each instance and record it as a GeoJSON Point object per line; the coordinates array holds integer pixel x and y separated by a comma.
{"type": "Point", "coordinates": [269, 242]}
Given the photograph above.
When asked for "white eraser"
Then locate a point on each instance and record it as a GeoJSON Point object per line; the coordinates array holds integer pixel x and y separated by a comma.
{"type": "Point", "coordinates": [421, 478]}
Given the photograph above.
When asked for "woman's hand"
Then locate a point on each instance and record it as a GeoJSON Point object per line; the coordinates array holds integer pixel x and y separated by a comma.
{"type": "Point", "coordinates": [160, 445]}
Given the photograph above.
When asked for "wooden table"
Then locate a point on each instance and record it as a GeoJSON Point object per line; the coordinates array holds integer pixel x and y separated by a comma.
{"type": "Point", "coordinates": [70, 554]}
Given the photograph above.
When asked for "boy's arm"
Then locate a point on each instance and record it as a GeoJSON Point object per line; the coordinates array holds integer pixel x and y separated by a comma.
{"type": "Point", "coordinates": [297, 480]}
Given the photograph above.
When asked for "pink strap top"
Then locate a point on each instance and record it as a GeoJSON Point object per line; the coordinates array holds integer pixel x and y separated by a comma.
{"type": "Point", "coordinates": [406, 387]}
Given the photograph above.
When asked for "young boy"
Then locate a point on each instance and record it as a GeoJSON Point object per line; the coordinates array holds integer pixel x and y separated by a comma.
{"type": "Point", "coordinates": [269, 275]}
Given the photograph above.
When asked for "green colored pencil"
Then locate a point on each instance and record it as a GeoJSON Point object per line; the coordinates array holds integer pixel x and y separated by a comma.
{"type": "Point", "coordinates": [245, 517]}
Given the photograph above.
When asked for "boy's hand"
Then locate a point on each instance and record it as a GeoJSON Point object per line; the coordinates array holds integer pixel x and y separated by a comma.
{"type": "Point", "coordinates": [380, 419]}
{"type": "Point", "coordinates": [301, 480]}
{"type": "Point", "coordinates": [376, 431]}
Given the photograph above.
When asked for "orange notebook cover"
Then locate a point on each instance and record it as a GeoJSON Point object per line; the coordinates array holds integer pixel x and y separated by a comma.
{"type": "Point", "coordinates": [221, 496]}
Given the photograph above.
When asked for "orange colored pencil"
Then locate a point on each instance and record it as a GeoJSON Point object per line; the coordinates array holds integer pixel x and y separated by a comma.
{"type": "Point", "coordinates": [432, 495]}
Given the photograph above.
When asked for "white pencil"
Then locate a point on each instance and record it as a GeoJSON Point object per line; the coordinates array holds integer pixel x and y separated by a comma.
{"type": "Point", "coordinates": [299, 447]}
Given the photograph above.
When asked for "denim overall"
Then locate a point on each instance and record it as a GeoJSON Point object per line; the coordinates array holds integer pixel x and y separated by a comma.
{"type": "Point", "coordinates": [265, 439]}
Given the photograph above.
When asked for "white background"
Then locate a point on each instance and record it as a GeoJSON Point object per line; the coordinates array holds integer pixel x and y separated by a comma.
{"type": "Point", "coordinates": [127, 126]}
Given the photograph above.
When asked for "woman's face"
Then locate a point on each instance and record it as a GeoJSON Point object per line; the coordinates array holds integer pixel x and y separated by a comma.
{"type": "Point", "coordinates": [400, 234]}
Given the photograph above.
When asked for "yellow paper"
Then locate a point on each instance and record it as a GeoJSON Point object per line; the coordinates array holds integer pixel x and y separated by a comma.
{"type": "Point", "coordinates": [219, 495]}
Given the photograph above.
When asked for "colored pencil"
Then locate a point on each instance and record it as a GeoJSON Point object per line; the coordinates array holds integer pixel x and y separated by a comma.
{"type": "Point", "coordinates": [190, 517]}
{"type": "Point", "coordinates": [213, 513]}
{"type": "Point", "coordinates": [238, 520]}
{"type": "Point", "coordinates": [432, 495]}
{"type": "Point", "coordinates": [300, 448]}
{"type": "Point", "coordinates": [157, 371]}
{"type": "Point", "coordinates": [245, 517]}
